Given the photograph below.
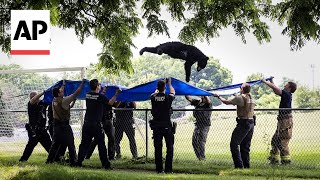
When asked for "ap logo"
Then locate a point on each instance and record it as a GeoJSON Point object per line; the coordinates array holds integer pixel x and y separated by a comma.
{"type": "Point", "coordinates": [30, 32]}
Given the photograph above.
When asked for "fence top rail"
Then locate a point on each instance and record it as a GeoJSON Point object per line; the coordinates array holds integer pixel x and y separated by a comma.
{"type": "Point", "coordinates": [126, 109]}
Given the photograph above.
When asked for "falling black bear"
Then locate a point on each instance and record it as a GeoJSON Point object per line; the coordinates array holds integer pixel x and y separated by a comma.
{"type": "Point", "coordinates": [179, 50]}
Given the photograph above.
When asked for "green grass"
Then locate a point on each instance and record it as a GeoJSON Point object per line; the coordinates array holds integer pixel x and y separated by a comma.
{"type": "Point", "coordinates": [304, 147]}
{"type": "Point", "coordinates": [35, 168]}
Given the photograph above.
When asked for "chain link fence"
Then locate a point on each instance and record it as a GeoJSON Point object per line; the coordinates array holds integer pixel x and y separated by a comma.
{"type": "Point", "coordinates": [304, 145]}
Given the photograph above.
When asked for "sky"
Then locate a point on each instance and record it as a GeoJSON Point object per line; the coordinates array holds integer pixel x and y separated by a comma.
{"type": "Point", "coordinates": [271, 59]}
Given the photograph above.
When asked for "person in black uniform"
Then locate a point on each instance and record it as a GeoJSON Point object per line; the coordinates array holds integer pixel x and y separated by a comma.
{"type": "Point", "coordinates": [124, 123]}
{"type": "Point", "coordinates": [62, 132]}
{"type": "Point", "coordinates": [36, 127]}
{"type": "Point", "coordinates": [107, 124]}
{"type": "Point", "coordinates": [202, 125]}
{"type": "Point", "coordinates": [162, 125]}
{"type": "Point", "coordinates": [92, 127]}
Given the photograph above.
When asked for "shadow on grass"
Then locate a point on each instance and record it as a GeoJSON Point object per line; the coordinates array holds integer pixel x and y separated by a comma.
{"type": "Point", "coordinates": [35, 168]}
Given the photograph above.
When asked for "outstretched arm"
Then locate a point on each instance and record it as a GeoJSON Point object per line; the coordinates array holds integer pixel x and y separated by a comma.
{"type": "Point", "coordinates": [67, 100]}
{"type": "Point", "coordinates": [223, 100]}
{"type": "Point", "coordinates": [274, 87]}
{"type": "Point", "coordinates": [114, 98]}
{"type": "Point", "coordinates": [172, 91]}
{"type": "Point", "coordinates": [36, 98]}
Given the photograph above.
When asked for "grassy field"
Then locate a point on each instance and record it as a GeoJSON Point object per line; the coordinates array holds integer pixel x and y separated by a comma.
{"type": "Point", "coordinates": [305, 146]}
{"type": "Point", "coordinates": [35, 168]}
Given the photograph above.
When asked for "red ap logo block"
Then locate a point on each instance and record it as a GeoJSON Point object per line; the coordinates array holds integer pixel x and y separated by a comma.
{"type": "Point", "coordinates": [30, 32]}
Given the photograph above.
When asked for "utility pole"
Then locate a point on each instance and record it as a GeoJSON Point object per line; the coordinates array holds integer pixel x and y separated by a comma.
{"type": "Point", "coordinates": [312, 69]}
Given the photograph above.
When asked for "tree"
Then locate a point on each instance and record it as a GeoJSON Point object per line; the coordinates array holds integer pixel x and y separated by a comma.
{"type": "Point", "coordinates": [302, 21]}
{"type": "Point", "coordinates": [268, 101]}
{"type": "Point", "coordinates": [305, 97]}
{"type": "Point", "coordinates": [114, 23]}
{"type": "Point", "coordinates": [258, 91]}
{"type": "Point", "coordinates": [213, 76]}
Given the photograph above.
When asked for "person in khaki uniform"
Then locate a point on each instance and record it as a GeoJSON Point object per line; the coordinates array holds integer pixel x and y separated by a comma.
{"type": "Point", "coordinates": [281, 138]}
{"type": "Point", "coordinates": [242, 134]}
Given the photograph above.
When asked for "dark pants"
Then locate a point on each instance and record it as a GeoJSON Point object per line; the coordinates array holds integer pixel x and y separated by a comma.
{"type": "Point", "coordinates": [242, 136]}
{"type": "Point", "coordinates": [36, 136]}
{"type": "Point", "coordinates": [130, 132]}
{"type": "Point", "coordinates": [95, 131]}
{"type": "Point", "coordinates": [199, 140]}
{"type": "Point", "coordinates": [62, 149]}
{"type": "Point", "coordinates": [158, 135]}
{"type": "Point", "coordinates": [62, 138]}
{"type": "Point", "coordinates": [110, 132]}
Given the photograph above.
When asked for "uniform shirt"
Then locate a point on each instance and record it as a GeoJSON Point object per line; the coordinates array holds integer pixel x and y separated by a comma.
{"type": "Point", "coordinates": [202, 117]}
{"type": "Point", "coordinates": [37, 114]}
{"type": "Point", "coordinates": [239, 101]}
{"type": "Point", "coordinates": [161, 108]}
{"type": "Point", "coordinates": [285, 102]}
{"type": "Point", "coordinates": [95, 103]}
{"type": "Point", "coordinates": [124, 116]}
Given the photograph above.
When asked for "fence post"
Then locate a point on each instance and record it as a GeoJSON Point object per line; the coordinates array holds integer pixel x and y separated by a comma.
{"type": "Point", "coordinates": [146, 135]}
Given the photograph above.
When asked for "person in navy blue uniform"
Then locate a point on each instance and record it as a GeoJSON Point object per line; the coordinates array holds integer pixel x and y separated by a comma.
{"type": "Point", "coordinates": [161, 124]}
{"type": "Point", "coordinates": [36, 127]}
{"type": "Point", "coordinates": [92, 127]}
{"type": "Point", "coordinates": [281, 138]}
{"type": "Point", "coordinates": [241, 136]}
{"type": "Point", "coordinates": [108, 127]}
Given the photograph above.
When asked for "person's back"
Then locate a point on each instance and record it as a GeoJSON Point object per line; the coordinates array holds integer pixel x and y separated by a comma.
{"type": "Point", "coordinates": [95, 103]}
{"type": "Point", "coordinates": [92, 127]}
{"type": "Point", "coordinates": [161, 124]}
{"type": "Point", "coordinates": [161, 109]}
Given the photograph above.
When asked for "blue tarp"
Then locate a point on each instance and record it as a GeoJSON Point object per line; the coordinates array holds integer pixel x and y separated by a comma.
{"type": "Point", "coordinates": [138, 93]}
{"type": "Point", "coordinates": [141, 92]}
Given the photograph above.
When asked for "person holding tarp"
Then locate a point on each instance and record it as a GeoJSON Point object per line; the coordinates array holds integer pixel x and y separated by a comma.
{"type": "Point", "coordinates": [62, 149]}
{"type": "Point", "coordinates": [108, 127]}
{"type": "Point", "coordinates": [92, 126]}
{"type": "Point", "coordinates": [124, 123]}
{"type": "Point", "coordinates": [62, 132]}
{"type": "Point", "coordinates": [202, 124]}
{"type": "Point", "coordinates": [161, 124]}
{"type": "Point", "coordinates": [283, 134]}
{"type": "Point", "coordinates": [36, 127]}
{"type": "Point", "coordinates": [242, 134]}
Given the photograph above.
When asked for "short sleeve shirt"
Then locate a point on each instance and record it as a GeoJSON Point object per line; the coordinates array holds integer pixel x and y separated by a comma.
{"type": "Point", "coordinates": [285, 102]}
{"type": "Point", "coordinates": [95, 103]}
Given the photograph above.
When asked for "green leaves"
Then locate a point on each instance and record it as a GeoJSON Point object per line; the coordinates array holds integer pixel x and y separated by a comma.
{"type": "Point", "coordinates": [302, 21]}
{"type": "Point", "coordinates": [115, 22]}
